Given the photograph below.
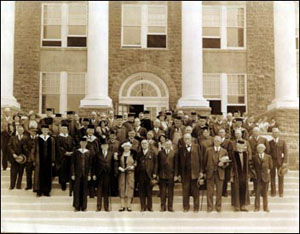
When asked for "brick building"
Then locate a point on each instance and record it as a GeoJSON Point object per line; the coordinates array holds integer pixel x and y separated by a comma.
{"type": "Point", "coordinates": [131, 56]}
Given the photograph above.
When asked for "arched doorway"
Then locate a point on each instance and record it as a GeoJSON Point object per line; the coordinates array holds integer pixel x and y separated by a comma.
{"type": "Point", "coordinates": [144, 91]}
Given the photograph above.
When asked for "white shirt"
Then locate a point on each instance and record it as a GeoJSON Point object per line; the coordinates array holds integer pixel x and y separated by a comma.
{"type": "Point", "coordinates": [138, 128]}
{"type": "Point", "coordinates": [261, 156]}
{"type": "Point", "coordinates": [104, 153]}
{"type": "Point", "coordinates": [241, 159]}
{"type": "Point", "coordinates": [45, 138]}
{"type": "Point", "coordinates": [188, 147]}
{"type": "Point", "coordinates": [156, 129]}
{"type": "Point", "coordinates": [276, 140]}
{"type": "Point", "coordinates": [20, 137]}
{"type": "Point", "coordinates": [64, 135]}
{"type": "Point", "coordinates": [167, 151]}
{"type": "Point", "coordinates": [83, 150]}
{"type": "Point", "coordinates": [145, 151]}
{"type": "Point", "coordinates": [217, 148]}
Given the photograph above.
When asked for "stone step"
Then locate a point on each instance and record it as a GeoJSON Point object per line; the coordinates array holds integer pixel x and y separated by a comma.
{"type": "Point", "coordinates": [67, 206]}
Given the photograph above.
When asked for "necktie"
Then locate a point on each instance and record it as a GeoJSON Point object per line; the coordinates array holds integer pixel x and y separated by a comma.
{"type": "Point", "coordinates": [167, 151]}
{"type": "Point", "coordinates": [261, 157]}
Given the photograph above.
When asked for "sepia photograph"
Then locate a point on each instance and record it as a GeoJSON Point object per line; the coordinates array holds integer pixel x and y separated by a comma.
{"type": "Point", "coordinates": [149, 117]}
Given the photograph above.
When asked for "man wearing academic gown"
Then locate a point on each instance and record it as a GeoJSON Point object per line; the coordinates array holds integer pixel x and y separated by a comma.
{"type": "Point", "coordinates": [147, 122]}
{"type": "Point", "coordinates": [44, 161]}
{"type": "Point", "coordinates": [81, 174]}
{"type": "Point", "coordinates": [239, 178]}
{"type": "Point", "coordinates": [65, 148]}
{"type": "Point", "coordinates": [94, 147]}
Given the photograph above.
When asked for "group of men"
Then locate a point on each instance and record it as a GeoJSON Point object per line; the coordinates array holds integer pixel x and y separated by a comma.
{"type": "Point", "coordinates": [201, 152]}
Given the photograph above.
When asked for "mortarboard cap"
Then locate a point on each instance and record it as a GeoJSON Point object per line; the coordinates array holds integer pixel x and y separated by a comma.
{"type": "Point", "coordinates": [58, 115]}
{"type": "Point", "coordinates": [45, 126]}
{"type": "Point", "coordinates": [50, 109]}
{"type": "Point", "coordinates": [193, 113]}
{"type": "Point", "coordinates": [65, 125]}
{"type": "Point", "coordinates": [131, 114]}
{"type": "Point", "coordinates": [91, 126]}
{"type": "Point", "coordinates": [83, 139]}
{"type": "Point", "coordinates": [146, 112]}
{"type": "Point", "coordinates": [168, 113]}
{"type": "Point", "coordinates": [119, 116]}
{"type": "Point", "coordinates": [70, 112]}
{"type": "Point", "coordinates": [86, 119]}
{"type": "Point", "coordinates": [239, 119]}
{"type": "Point", "coordinates": [241, 142]}
{"type": "Point", "coordinates": [202, 117]}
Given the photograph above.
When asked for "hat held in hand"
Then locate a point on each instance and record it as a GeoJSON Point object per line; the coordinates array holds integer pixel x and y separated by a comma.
{"type": "Point", "coordinates": [21, 159]}
{"type": "Point", "coordinates": [283, 170]}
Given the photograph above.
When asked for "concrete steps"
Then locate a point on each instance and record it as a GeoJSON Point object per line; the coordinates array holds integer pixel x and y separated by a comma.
{"type": "Point", "coordinates": [22, 211]}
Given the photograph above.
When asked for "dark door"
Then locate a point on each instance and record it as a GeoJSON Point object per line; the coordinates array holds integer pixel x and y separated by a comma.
{"type": "Point", "coordinates": [136, 109]}
{"type": "Point", "coordinates": [215, 106]}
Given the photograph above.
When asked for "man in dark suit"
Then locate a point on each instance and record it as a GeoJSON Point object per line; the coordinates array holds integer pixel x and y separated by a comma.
{"type": "Point", "coordinates": [103, 170]}
{"type": "Point", "coordinates": [32, 141]}
{"type": "Point", "coordinates": [279, 153]}
{"type": "Point", "coordinates": [176, 131]}
{"type": "Point", "coordinates": [121, 131]}
{"type": "Point", "coordinates": [238, 126]}
{"type": "Point", "coordinates": [141, 133]}
{"type": "Point", "coordinates": [6, 133]}
{"type": "Point", "coordinates": [94, 119]}
{"type": "Point", "coordinates": [146, 122]}
{"type": "Point", "coordinates": [200, 126]}
{"type": "Point", "coordinates": [157, 130]}
{"type": "Point", "coordinates": [262, 164]}
{"type": "Point", "coordinates": [226, 144]}
{"type": "Point", "coordinates": [146, 172]}
{"type": "Point", "coordinates": [190, 170]}
{"type": "Point", "coordinates": [129, 124]}
{"type": "Point", "coordinates": [215, 173]}
{"type": "Point", "coordinates": [167, 168]}
{"type": "Point", "coordinates": [254, 141]}
{"type": "Point", "coordinates": [17, 145]}
{"type": "Point", "coordinates": [218, 124]}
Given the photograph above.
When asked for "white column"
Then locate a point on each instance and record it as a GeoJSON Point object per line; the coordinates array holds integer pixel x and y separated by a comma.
{"type": "Point", "coordinates": [285, 56]}
{"type": "Point", "coordinates": [192, 82]}
{"type": "Point", "coordinates": [97, 56]}
{"type": "Point", "coordinates": [7, 54]}
{"type": "Point", "coordinates": [63, 92]}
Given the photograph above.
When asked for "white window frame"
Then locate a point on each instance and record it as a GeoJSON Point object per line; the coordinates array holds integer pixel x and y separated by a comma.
{"type": "Point", "coordinates": [223, 28]}
{"type": "Point", "coordinates": [144, 27]}
{"type": "Point", "coordinates": [63, 89]}
{"type": "Point", "coordinates": [64, 26]}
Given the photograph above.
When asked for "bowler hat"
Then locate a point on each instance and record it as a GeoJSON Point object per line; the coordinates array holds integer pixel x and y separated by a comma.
{"type": "Point", "coordinates": [283, 170]}
{"type": "Point", "coordinates": [21, 159]}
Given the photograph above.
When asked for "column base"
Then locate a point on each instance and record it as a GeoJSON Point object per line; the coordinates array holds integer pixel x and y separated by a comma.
{"type": "Point", "coordinates": [10, 102]}
{"type": "Point", "coordinates": [201, 106]}
{"type": "Point", "coordinates": [96, 102]}
{"type": "Point", "coordinates": [192, 102]}
{"type": "Point", "coordinates": [286, 104]}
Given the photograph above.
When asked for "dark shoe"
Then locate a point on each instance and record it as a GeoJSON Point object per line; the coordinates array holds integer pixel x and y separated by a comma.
{"type": "Point", "coordinates": [63, 187]}
{"type": "Point", "coordinates": [98, 209]}
{"type": "Point", "coordinates": [267, 210]}
{"type": "Point", "coordinates": [122, 209]}
{"type": "Point", "coordinates": [256, 210]}
{"type": "Point", "coordinates": [219, 210]}
{"type": "Point", "coordinates": [11, 188]}
{"type": "Point", "coordinates": [209, 210]}
{"type": "Point", "coordinates": [84, 210]}
{"type": "Point", "coordinates": [196, 210]}
{"type": "Point", "coordinates": [171, 210]}
{"type": "Point", "coordinates": [244, 209]}
{"type": "Point", "coordinates": [225, 194]}
{"type": "Point", "coordinates": [28, 188]}
{"type": "Point", "coordinates": [106, 209]}
{"type": "Point", "coordinates": [18, 187]}
{"type": "Point", "coordinates": [143, 209]}
{"type": "Point", "coordinates": [76, 210]}
{"type": "Point", "coordinates": [237, 209]}
{"type": "Point", "coordinates": [47, 194]}
{"type": "Point", "coordinates": [185, 210]}
{"type": "Point", "coordinates": [273, 195]}
{"type": "Point", "coordinates": [129, 209]}
{"type": "Point", "coordinates": [151, 210]}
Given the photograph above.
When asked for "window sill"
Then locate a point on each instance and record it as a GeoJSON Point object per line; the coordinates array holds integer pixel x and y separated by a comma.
{"type": "Point", "coordinates": [46, 48]}
{"type": "Point", "coordinates": [135, 48]}
{"type": "Point", "coordinates": [242, 50]}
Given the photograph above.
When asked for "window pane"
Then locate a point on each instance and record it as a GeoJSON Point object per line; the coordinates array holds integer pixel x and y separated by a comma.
{"type": "Point", "coordinates": [235, 37]}
{"type": "Point", "coordinates": [73, 101]}
{"type": "Point", "coordinates": [211, 86]}
{"type": "Point", "coordinates": [156, 41]}
{"type": "Point", "coordinates": [76, 41]}
{"type": "Point", "coordinates": [50, 83]}
{"type": "Point", "coordinates": [77, 14]}
{"type": "Point", "coordinates": [132, 35]}
{"type": "Point", "coordinates": [76, 83]}
{"type": "Point", "coordinates": [52, 32]}
{"type": "Point", "coordinates": [235, 17]}
{"type": "Point", "coordinates": [236, 89]}
{"type": "Point", "coordinates": [77, 30]}
{"type": "Point", "coordinates": [52, 14]}
{"type": "Point", "coordinates": [50, 101]}
{"type": "Point", "coordinates": [51, 43]}
{"type": "Point", "coordinates": [132, 15]}
{"type": "Point", "coordinates": [211, 43]}
{"type": "Point", "coordinates": [213, 31]}
{"type": "Point", "coordinates": [211, 16]}
{"type": "Point", "coordinates": [157, 16]}
{"type": "Point", "coordinates": [154, 29]}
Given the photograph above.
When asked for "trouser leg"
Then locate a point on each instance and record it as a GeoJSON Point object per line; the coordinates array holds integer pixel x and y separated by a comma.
{"type": "Point", "coordinates": [195, 194]}
{"type": "Point", "coordinates": [219, 186]}
{"type": "Point", "coordinates": [170, 193]}
{"type": "Point", "coordinates": [162, 189]}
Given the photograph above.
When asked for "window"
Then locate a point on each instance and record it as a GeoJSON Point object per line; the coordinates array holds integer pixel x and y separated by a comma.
{"type": "Point", "coordinates": [223, 27]}
{"type": "Point", "coordinates": [235, 27]}
{"type": "Point", "coordinates": [144, 26]}
{"type": "Point", "coordinates": [62, 91]}
{"type": "Point", "coordinates": [211, 86]}
{"type": "Point", "coordinates": [50, 91]}
{"type": "Point", "coordinates": [77, 28]}
{"type": "Point", "coordinates": [211, 27]}
{"type": "Point", "coordinates": [75, 90]}
{"type": "Point", "coordinates": [143, 90]}
{"type": "Point", "coordinates": [236, 89]}
{"type": "Point", "coordinates": [51, 32]}
{"type": "Point", "coordinates": [64, 25]}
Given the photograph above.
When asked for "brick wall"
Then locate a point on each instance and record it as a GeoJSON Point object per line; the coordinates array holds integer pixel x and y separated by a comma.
{"type": "Point", "coordinates": [165, 63]}
{"type": "Point", "coordinates": [27, 54]}
{"type": "Point", "coordinates": [260, 55]}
